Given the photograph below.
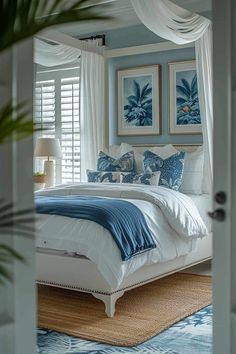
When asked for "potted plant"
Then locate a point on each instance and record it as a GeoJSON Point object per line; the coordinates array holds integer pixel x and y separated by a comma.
{"type": "Point", "coordinates": [39, 177]}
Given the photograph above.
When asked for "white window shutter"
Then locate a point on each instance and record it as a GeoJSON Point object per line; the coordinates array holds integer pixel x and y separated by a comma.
{"type": "Point", "coordinates": [57, 111]}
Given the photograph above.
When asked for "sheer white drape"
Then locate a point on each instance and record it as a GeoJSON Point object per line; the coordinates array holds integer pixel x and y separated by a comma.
{"type": "Point", "coordinates": [180, 26]}
{"type": "Point", "coordinates": [91, 92]}
{"type": "Point", "coordinates": [54, 54]}
{"type": "Point", "coordinates": [92, 110]}
{"type": "Point", "coordinates": [48, 54]}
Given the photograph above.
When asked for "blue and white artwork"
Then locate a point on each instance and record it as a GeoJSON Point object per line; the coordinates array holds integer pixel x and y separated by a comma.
{"type": "Point", "coordinates": [138, 91]}
{"type": "Point", "coordinates": [185, 115]}
{"type": "Point", "coordinates": [187, 102]}
{"type": "Point", "coordinates": [138, 101]}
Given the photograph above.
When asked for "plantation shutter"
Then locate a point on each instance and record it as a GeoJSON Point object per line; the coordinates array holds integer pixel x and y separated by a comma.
{"type": "Point", "coordinates": [57, 111]}
{"type": "Point", "coordinates": [45, 107]}
{"type": "Point", "coordinates": [70, 130]}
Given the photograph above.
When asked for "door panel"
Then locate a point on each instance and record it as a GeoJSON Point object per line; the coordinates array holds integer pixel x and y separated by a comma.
{"type": "Point", "coordinates": [224, 130]}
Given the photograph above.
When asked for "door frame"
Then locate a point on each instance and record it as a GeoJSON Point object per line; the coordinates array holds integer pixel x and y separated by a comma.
{"type": "Point", "coordinates": [224, 241]}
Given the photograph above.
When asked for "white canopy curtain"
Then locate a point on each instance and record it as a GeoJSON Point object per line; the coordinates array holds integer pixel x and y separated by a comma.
{"type": "Point", "coordinates": [54, 54]}
{"type": "Point", "coordinates": [180, 26]}
{"type": "Point", "coordinates": [91, 109]}
{"type": "Point", "coordinates": [91, 91]}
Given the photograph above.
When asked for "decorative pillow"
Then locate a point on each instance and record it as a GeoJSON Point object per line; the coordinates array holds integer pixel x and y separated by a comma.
{"type": "Point", "coordinates": [164, 151]}
{"type": "Point", "coordinates": [193, 172]}
{"type": "Point", "coordinates": [171, 168]}
{"type": "Point", "coordinates": [151, 179]}
{"type": "Point", "coordinates": [117, 151]}
{"type": "Point", "coordinates": [103, 177]}
{"type": "Point", "coordinates": [125, 163]}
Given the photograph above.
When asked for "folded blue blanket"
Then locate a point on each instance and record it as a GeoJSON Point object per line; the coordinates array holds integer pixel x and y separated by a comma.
{"type": "Point", "coordinates": [123, 219]}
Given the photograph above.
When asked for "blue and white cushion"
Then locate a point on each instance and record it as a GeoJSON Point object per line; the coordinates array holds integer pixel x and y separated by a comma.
{"type": "Point", "coordinates": [171, 168]}
{"type": "Point", "coordinates": [103, 177]}
{"type": "Point", "coordinates": [125, 163]}
{"type": "Point", "coordinates": [151, 179]}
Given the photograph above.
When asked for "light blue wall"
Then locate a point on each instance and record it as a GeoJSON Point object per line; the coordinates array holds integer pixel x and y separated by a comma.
{"type": "Point", "coordinates": [134, 36]}
{"type": "Point", "coordinates": [128, 37]}
{"type": "Point", "coordinates": [162, 58]}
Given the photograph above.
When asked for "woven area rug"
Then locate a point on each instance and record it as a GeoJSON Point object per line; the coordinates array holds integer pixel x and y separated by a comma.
{"type": "Point", "coordinates": [140, 314]}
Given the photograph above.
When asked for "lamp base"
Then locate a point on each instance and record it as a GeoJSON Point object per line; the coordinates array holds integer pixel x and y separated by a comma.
{"type": "Point", "coordinates": [49, 171]}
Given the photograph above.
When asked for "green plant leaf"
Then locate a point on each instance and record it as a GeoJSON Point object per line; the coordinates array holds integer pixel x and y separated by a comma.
{"type": "Point", "coordinates": [15, 119]}
{"type": "Point", "coordinates": [21, 19]}
{"type": "Point", "coordinates": [17, 223]}
{"type": "Point", "coordinates": [7, 256]}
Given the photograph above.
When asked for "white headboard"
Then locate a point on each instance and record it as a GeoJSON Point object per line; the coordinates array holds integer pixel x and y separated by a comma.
{"type": "Point", "coordinates": [184, 147]}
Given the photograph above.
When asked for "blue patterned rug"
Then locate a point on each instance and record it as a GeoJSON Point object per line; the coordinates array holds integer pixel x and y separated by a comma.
{"type": "Point", "coordinates": [193, 335]}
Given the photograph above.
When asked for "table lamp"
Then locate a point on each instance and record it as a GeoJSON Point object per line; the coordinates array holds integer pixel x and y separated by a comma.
{"type": "Point", "coordinates": [48, 147]}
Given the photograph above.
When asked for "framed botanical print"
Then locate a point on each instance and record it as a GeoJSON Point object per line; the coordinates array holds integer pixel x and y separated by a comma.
{"type": "Point", "coordinates": [185, 117]}
{"type": "Point", "coordinates": [139, 101]}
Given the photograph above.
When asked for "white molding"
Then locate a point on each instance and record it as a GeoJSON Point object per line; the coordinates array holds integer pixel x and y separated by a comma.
{"type": "Point", "coordinates": [143, 49]}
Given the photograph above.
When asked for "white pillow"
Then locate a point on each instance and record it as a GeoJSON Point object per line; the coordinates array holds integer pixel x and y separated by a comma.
{"type": "Point", "coordinates": [193, 172]}
{"type": "Point", "coordinates": [117, 151]}
{"type": "Point", "coordinates": [165, 151]}
{"type": "Point", "coordinates": [114, 151]}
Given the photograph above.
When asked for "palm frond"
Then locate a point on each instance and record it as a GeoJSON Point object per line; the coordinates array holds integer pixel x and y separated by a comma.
{"type": "Point", "coordinates": [15, 119]}
{"type": "Point", "coordinates": [194, 88]}
{"type": "Point", "coordinates": [132, 101]}
{"type": "Point", "coordinates": [18, 220]}
{"type": "Point", "coordinates": [147, 100]}
{"type": "Point", "coordinates": [143, 92]}
{"type": "Point", "coordinates": [13, 222]}
{"type": "Point", "coordinates": [180, 100]}
{"type": "Point", "coordinates": [147, 92]}
{"type": "Point", "coordinates": [186, 86]}
{"type": "Point", "coordinates": [194, 83]}
{"type": "Point", "coordinates": [182, 90]}
{"type": "Point", "coordinates": [137, 89]}
{"type": "Point", "coordinates": [7, 256]}
{"type": "Point", "coordinates": [24, 18]}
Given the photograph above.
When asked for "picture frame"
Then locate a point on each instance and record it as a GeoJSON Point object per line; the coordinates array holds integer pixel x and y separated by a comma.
{"type": "Point", "coordinates": [184, 111]}
{"type": "Point", "coordinates": [139, 101]}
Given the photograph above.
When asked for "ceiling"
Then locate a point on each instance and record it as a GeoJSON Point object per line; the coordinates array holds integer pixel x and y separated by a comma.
{"type": "Point", "coordinates": [124, 16]}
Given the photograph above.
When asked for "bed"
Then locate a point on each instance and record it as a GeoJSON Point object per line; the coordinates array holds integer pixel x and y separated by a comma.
{"type": "Point", "coordinates": [92, 263]}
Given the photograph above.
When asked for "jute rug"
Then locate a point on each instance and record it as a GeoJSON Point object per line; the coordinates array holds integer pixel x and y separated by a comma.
{"type": "Point", "coordinates": [140, 314]}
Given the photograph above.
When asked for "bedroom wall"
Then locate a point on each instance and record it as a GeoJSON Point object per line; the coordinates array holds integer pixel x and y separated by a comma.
{"type": "Point", "coordinates": [162, 58]}
{"type": "Point", "coordinates": [135, 36]}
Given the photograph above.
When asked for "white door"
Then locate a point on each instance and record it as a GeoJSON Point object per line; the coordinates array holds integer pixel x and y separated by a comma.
{"type": "Point", "coordinates": [224, 248]}
{"type": "Point", "coordinates": [17, 300]}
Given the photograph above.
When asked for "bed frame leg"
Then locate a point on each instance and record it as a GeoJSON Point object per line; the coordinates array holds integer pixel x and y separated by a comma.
{"type": "Point", "coordinates": [109, 301]}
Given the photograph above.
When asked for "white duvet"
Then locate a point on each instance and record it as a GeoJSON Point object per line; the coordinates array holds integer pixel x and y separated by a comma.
{"type": "Point", "coordinates": [172, 218]}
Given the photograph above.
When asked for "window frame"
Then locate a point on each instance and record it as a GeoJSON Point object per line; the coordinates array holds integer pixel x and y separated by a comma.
{"type": "Point", "coordinates": [57, 73]}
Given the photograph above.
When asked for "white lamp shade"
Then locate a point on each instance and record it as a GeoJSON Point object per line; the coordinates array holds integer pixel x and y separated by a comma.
{"type": "Point", "coordinates": [47, 147]}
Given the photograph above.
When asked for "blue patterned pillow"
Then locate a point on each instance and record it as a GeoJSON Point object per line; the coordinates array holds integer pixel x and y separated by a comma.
{"type": "Point", "coordinates": [124, 163]}
{"type": "Point", "coordinates": [171, 168]}
{"type": "Point", "coordinates": [151, 179]}
{"type": "Point", "coordinates": [103, 177]}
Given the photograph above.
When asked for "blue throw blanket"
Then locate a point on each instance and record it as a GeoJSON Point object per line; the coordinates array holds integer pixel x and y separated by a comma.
{"type": "Point", "coordinates": [124, 220]}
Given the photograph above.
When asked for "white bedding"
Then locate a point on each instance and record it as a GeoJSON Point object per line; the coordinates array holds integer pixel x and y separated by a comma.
{"type": "Point", "coordinates": [172, 218]}
{"type": "Point", "coordinates": [203, 203]}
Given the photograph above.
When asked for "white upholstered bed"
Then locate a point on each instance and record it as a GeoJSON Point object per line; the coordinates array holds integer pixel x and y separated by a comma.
{"type": "Point", "coordinates": [93, 264]}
